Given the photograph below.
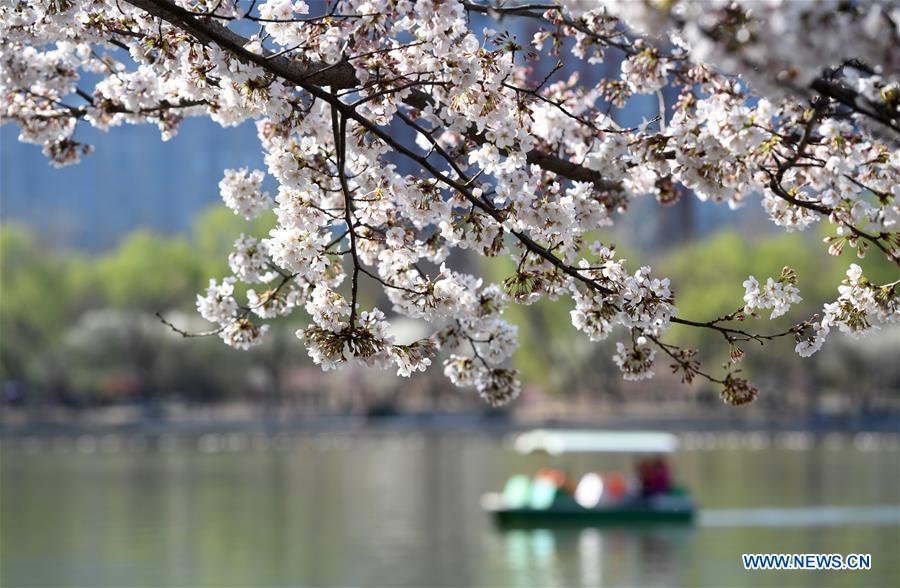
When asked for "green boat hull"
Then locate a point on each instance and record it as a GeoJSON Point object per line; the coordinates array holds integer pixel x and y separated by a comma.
{"type": "Point", "coordinates": [676, 509]}
{"type": "Point", "coordinates": [557, 516]}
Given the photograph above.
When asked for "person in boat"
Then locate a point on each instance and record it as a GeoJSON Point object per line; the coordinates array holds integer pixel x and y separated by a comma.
{"type": "Point", "coordinates": [616, 486]}
{"type": "Point", "coordinates": [558, 478]}
{"type": "Point", "coordinates": [654, 476]}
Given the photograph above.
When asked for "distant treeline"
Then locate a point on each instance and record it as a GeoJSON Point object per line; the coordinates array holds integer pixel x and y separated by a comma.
{"type": "Point", "coordinates": [80, 330]}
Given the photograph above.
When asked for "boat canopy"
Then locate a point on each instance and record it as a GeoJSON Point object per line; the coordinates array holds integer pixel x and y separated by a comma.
{"type": "Point", "coordinates": [556, 442]}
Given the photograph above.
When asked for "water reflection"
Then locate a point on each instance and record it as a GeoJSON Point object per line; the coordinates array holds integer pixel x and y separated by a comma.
{"type": "Point", "coordinates": [402, 509]}
{"type": "Point", "coordinates": [590, 556]}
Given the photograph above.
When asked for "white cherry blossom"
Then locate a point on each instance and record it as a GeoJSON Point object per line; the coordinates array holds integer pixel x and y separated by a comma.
{"type": "Point", "coordinates": [397, 136]}
{"type": "Point", "coordinates": [241, 191]}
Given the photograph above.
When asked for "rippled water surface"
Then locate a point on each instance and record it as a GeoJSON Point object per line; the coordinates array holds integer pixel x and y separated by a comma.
{"type": "Point", "coordinates": [402, 509]}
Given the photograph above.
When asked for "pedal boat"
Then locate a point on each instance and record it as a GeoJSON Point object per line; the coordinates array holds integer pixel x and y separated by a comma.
{"type": "Point", "coordinates": [528, 503]}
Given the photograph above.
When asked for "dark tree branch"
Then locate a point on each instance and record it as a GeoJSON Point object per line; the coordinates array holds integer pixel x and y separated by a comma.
{"type": "Point", "coordinates": [338, 76]}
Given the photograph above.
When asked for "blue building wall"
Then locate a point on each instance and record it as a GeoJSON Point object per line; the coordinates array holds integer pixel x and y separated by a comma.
{"type": "Point", "coordinates": [132, 179]}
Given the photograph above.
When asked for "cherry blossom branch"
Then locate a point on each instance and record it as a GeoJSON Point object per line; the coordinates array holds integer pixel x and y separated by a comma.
{"type": "Point", "coordinates": [245, 312]}
{"type": "Point", "coordinates": [684, 361]}
{"type": "Point", "coordinates": [348, 111]}
{"type": "Point", "coordinates": [339, 129]}
{"type": "Point", "coordinates": [776, 178]}
{"type": "Point", "coordinates": [79, 112]}
{"type": "Point", "coordinates": [542, 175]}
{"type": "Point", "coordinates": [187, 334]}
{"type": "Point", "coordinates": [338, 76]}
{"type": "Point", "coordinates": [732, 335]}
{"type": "Point", "coordinates": [540, 12]}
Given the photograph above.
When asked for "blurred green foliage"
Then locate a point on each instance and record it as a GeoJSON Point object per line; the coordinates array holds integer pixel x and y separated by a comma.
{"type": "Point", "coordinates": [69, 320]}
{"type": "Point", "coordinates": [39, 292]}
{"type": "Point", "coordinates": [148, 271]}
{"type": "Point", "coordinates": [44, 292]}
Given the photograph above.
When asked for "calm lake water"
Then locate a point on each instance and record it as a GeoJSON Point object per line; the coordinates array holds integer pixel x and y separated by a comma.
{"type": "Point", "coordinates": [402, 509]}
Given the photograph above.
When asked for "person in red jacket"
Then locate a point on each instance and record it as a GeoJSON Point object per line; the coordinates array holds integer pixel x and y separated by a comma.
{"type": "Point", "coordinates": [654, 475]}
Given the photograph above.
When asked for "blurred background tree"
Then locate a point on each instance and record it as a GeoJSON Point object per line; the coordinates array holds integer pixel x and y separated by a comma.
{"type": "Point", "coordinates": [79, 330]}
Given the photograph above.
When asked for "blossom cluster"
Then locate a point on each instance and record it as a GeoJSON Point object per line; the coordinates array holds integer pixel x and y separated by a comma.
{"type": "Point", "coordinates": [862, 305]}
{"type": "Point", "coordinates": [242, 192]}
{"type": "Point", "coordinates": [778, 294]}
{"type": "Point", "coordinates": [395, 135]}
{"type": "Point", "coordinates": [635, 361]}
{"type": "Point", "coordinates": [219, 305]}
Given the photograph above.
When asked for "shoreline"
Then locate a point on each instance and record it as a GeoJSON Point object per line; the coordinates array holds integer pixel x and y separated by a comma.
{"type": "Point", "coordinates": [446, 423]}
